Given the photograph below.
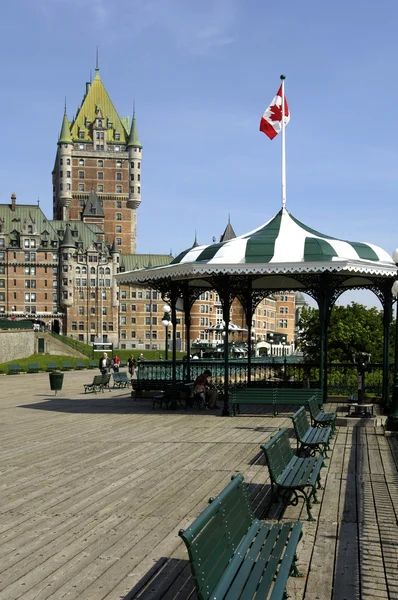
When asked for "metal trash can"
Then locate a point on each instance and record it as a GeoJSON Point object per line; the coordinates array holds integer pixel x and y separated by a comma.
{"type": "Point", "coordinates": [56, 381]}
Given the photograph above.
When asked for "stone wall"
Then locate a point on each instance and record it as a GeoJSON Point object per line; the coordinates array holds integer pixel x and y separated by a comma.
{"type": "Point", "coordinates": [16, 344]}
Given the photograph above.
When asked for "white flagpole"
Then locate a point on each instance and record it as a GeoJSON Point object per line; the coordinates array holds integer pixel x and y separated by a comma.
{"type": "Point", "coordinates": [283, 145]}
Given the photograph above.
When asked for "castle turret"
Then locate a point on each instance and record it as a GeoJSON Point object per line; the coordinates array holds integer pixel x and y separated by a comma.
{"type": "Point", "coordinates": [67, 249]}
{"type": "Point", "coordinates": [134, 149]}
{"type": "Point", "coordinates": [62, 176]}
{"type": "Point", "coordinates": [115, 254]}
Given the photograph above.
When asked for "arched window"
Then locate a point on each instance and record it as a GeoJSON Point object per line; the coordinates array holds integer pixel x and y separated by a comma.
{"type": "Point", "coordinates": [84, 270]}
{"type": "Point", "coordinates": [107, 271]}
{"type": "Point", "coordinates": [92, 271]}
{"type": "Point", "coordinates": [77, 270]}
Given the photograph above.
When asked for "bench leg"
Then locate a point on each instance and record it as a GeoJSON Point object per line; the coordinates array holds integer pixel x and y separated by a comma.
{"type": "Point", "coordinates": [294, 572]}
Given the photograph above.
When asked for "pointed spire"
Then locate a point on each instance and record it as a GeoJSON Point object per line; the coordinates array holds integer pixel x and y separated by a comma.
{"type": "Point", "coordinates": [229, 233]}
{"type": "Point", "coordinates": [195, 244]}
{"type": "Point", "coordinates": [68, 241]}
{"type": "Point", "coordinates": [134, 138]}
{"type": "Point", "coordinates": [65, 136]}
{"type": "Point", "coordinates": [96, 60]}
{"type": "Point", "coordinates": [93, 207]}
{"type": "Point", "coordinates": [114, 248]}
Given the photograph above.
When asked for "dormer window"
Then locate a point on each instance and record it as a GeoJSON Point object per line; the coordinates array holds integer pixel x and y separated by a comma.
{"type": "Point", "coordinates": [88, 123]}
{"type": "Point", "coordinates": [81, 135]}
{"type": "Point", "coordinates": [110, 124]}
{"type": "Point", "coordinates": [99, 122]}
{"type": "Point", "coordinates": [117, 136]}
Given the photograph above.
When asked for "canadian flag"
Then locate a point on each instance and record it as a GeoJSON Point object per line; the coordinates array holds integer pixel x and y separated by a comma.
{"type": "Point", "coordinates": [271, 121]}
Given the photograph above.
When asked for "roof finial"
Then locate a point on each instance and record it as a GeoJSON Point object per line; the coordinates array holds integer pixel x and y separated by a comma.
{"type": "Point", "coordinates": [96, 60]}
{"type": "Point", "coordinates": [65, 105]}
{"type": "Point", "coordinates": [91, 76]}
{"type": "Point", "coordinates": [38, 201]}
{"type": "Point", "coordinates": [229, 218]}
{"type": "Point", "coordinates": [133, 108]}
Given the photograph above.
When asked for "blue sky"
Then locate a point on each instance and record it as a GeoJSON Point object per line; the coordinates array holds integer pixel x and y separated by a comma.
{"type": "Point", "coordinates": [201, 74]}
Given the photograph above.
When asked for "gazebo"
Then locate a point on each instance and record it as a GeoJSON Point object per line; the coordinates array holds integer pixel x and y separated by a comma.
{"type": "Point", "coordinates": [281, 255]}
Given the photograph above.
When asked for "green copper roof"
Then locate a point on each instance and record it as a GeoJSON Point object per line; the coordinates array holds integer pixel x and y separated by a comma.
{"type": "Point", "coordinates": [130, 262]}
{"type": "Point", "coordinates": [65, 136]}
{"type": "Point", "coordinates": [134, 138]}
{"type": "Point", "coordinates": [97, 102]}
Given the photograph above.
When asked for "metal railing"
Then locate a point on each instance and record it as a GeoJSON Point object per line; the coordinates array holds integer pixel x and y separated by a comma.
{"type": "Point", "coordinates": [342, 377]}
{"type": "Point", "coordinates": [75, 344]}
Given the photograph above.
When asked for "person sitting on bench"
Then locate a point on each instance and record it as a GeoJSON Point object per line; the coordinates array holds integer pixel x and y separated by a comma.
{"type": "Point", "coordinates": [205, 390]}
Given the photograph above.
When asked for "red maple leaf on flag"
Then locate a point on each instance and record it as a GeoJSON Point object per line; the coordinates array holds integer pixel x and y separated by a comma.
{"type": "Point", "coordinates": [276, 112]}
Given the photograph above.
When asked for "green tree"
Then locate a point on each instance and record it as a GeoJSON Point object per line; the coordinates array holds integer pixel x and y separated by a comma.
{"type": "Point", "coordinates": [352, 328]}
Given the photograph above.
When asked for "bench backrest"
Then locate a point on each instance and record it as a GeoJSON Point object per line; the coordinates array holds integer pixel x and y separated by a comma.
{"type": "Point", "coordinates": [277, 453]}
{"type": "Point", "coordinates": [253, 392]}
{"type": "Point", "coordinates": [214, 536]}
{"type": "Point", "coordinates": [300, 423]}
{"type": "Point", "coordinates": [300, 394]}
{"type": "Point", "coordinates": [313, 406]}
{"type": "Point", "coordinates": [97, 380]}
{"type": "Point", "coordinates": [123, 376]}
{"type": "Point", "coordinates": [105, 379]}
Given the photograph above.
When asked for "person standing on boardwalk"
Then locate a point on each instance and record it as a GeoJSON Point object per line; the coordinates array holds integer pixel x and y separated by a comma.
{"type": "Point", "coordinates": [105, 364]}
{"type": "Point", "coordinates": [132, 365]}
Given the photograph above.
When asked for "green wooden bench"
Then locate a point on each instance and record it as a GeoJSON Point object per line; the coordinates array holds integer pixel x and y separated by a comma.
{"type": "Point", "coordinates": [292, 473]}
{"type": "Point", "coordinates": [319, 417]}
{"type": "Point", "coordinates": [123, 363]}
{"type": "Point", "coordinates": [92, 364]}
{"type": "Point", "coordinates": [234, 555]}
{"type": "Point", "coordinates": [52, 366]}
{"type": "Point", "coordinates": [106, 379]}
{"type": "Point", "coordinates": [313, 438]}
{"type": "Point", "coordinates": [147, 385]}
{"type": "Point", "coordinates": [121, 380]}
{"type": "Point", "coordinates": [14, 369]}
{"type": "Point", "coordinates": [270, 396]}
{"type": "Point", "coordinates": [80, 365]}
{"type": "Point", "coordinates": [33, 368]}
{"type": "Point", "coordinates": [95, 386]}
{"type": "Point", "coordinates": [66, 366]}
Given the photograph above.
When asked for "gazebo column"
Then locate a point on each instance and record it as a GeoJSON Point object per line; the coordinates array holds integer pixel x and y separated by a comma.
{"type": "Point", "coordinates": [249, 321]}
{"type": "Point", "coordinates": [226, 306]}
{"type": "Point", "coordinates": [173, 300]}
{"type": "Point", "coordinates": [387, 319]}
{"type": "Point", "coordinates": [326, 298]}
{"type": "Point", "coordinates": [187, 322]}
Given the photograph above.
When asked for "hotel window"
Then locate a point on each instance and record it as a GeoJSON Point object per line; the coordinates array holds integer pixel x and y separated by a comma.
{"type": "Point", "coordinates": [138, 189]}
{"type": "Point", "coordinates": [118, 177]}
{"type": "Point", "coordinates": [100, 163]}
{"type": "Point", "coordinates": [81, 189]}
{"type": "Point", "coordinates": [118, 204]}
{"type": "Point", "coordinates": [100, 175]}
{"type": "Point", "coordinates": [123, 308]}
{"type": "Point", "coordinates": [100, 188]}
{"type": "Point", "coordinates": [132, 176]}
{"type": "Point", "coordinates": [81, 174]}
{"type": "Point", "coordinates": [80, 310]}
{"type": "Point", "coordinates": [123, 320]}
{"type": "Point", "coordinates": [118, 164]}
{"type": "Point", "coordinates": [138, 177]}
{"type": "Point", "coordinates": [81, 147]}
{"type": "Point", "coordinates": [117, 148]}
{"type": "Point", "coordinates": [133, 307]}
{"type": "Point", "coordinates": [68, 173]}
{"type": "Point", "coordinates": [110, 124]}
{"type": "Point", "coordinates": [81, 135]}
{"type": "Point", "coordinates": [139, 165]}
{"type": "Point", "coordinates": [2, 283]}
{"type": "Point", "coordinates": [117, 136]}
{"type": "Point", "coordinates": [132, 189]}
{"type": "Point", "coordinates": [119, 189]}
{"type": "Point", "coordinates": [118, 241]}
{"type": "Point", "coordinates": [118, 229]}
{"type": "Point", "coordinates": [68, 161]}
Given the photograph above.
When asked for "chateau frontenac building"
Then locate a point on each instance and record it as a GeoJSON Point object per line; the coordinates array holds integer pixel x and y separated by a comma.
{"type": "Point", "coordinates": [61, 271]}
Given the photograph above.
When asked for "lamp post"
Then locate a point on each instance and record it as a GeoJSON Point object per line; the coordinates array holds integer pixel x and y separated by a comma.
{"type": "Point", "coordinates": [271, 340]}
{"type": "Point", "coordinates": [166, 321]}
{"type": "Point", "coordinates": [392, 419]}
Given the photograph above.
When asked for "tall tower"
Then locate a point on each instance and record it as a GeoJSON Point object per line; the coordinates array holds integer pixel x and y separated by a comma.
{"type": "Point", "coordinates": [99, 151]}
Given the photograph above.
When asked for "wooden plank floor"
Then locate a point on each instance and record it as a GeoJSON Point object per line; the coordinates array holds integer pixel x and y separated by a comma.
{"type": "Point", "coordinates": [94, 489]}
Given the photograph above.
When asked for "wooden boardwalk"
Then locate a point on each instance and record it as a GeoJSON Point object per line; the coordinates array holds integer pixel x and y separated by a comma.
{"type": "Point", "coordinates": [94, 489]}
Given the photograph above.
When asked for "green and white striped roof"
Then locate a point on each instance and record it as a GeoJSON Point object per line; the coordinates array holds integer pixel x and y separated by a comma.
{"type": "Point", "coordinates": [283, 245]}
